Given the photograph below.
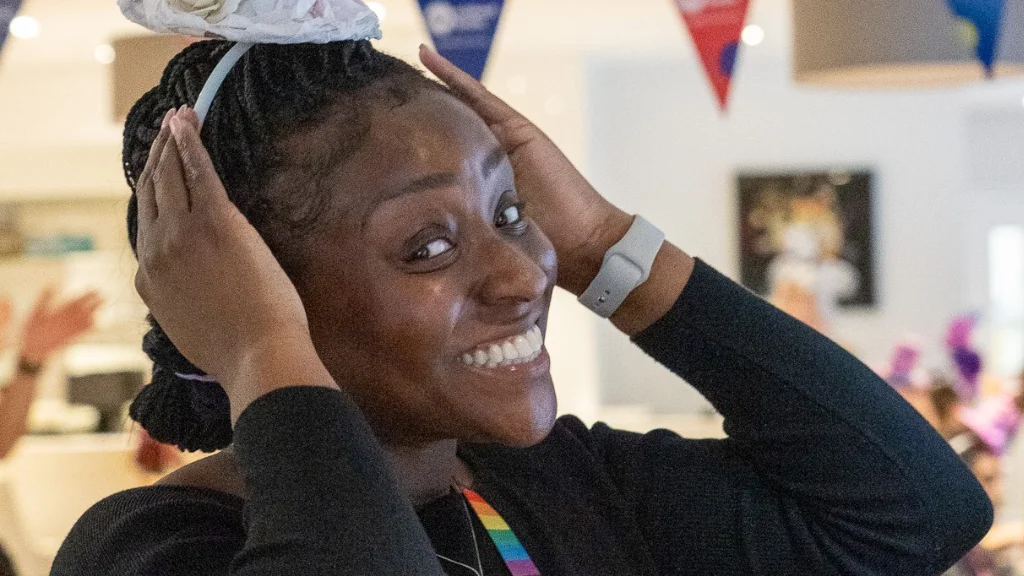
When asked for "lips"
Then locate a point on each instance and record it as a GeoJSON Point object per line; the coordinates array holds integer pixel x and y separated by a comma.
{"type": "Point", "coordinates": [518, 349]}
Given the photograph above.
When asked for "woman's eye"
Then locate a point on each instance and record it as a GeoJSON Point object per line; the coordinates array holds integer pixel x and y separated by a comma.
{"type": "Point", "coordinates": [510, 216]}
{"type": "Point", "coordinates": [433, 249]}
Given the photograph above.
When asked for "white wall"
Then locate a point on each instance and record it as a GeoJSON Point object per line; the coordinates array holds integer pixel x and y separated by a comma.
{"type": "Point", "coordinates": [659, 147]}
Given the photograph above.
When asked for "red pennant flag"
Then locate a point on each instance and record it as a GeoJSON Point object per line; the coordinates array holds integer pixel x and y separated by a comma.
{"type": "Point", "coordinates": [716, 26]}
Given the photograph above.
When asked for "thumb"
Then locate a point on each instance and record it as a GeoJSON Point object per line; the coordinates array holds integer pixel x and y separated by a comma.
{"type": "Point", "coordinates": [204, 185]}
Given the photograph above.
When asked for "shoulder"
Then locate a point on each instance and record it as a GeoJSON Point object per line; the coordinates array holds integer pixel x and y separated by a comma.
{"type": "Point", "coordinates": [196, 530]}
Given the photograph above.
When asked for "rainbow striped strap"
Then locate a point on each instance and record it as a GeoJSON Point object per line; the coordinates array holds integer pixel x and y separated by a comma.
{"type": "Point", "coordinates": [511, 550]}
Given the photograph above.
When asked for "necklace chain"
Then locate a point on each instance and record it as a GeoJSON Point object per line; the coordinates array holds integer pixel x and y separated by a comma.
{"type": "Point", "coordinates": [476, 547]}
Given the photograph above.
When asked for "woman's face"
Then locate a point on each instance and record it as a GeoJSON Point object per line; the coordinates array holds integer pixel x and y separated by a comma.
{"type": "Point", "coordinates": [428, 277]}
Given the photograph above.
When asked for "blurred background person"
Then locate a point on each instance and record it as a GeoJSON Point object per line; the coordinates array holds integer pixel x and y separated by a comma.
{"type": "Point", "coordinates": [49, 328]}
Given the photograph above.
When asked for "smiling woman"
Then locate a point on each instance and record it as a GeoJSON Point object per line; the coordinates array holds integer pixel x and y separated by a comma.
{"type": "Point", "coordinates": [355, 266]}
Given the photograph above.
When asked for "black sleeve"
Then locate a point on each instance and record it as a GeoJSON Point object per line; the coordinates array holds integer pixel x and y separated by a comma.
{"type": "Point", "coordinates": [322, 500]}
{"type": "Point", "coordinates": [825, 470]}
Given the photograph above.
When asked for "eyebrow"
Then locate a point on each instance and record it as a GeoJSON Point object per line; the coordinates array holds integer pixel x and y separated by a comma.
{"type": "Point", "coordinates": [445, 179]}
{"type": "Point", "coordinates": [491, 162]}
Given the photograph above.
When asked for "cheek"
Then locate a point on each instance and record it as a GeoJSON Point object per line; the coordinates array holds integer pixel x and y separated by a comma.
{"type": "Point", "coordinates": [410, 320]}
{"type": "Point", "coordinates": [541, 251]}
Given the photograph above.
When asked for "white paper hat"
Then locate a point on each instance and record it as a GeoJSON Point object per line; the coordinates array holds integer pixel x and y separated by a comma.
{"type": "Point", "coordinates": [249, 22]}
{"type": "Point", "coordinates": [257, 21]}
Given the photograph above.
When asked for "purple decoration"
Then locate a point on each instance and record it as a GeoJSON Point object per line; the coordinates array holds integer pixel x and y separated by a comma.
{"type": "Point", "coordinates": [968, 366]}
{"type": "Point", "coordinates": [966, 359]}
{"type": "Point", "coordinates": [900, 372]}
{"type": "Point", "coordinates": [996, 421]}
{"type": "Point", "coordinates": [960, 330]}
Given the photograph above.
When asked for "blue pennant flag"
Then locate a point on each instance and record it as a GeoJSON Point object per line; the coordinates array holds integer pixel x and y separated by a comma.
{"type": "Point", "coordinates": [463, 30]}
{"type": "Point", "coordinates": [986, 18]}
{"type": "Point", "coordinates": [8, 10]}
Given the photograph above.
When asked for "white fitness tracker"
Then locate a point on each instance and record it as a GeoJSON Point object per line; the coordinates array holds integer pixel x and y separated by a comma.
{"type": "Point", "coordinates": [626, 265]}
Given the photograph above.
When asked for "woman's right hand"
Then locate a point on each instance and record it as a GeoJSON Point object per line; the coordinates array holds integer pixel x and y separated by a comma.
{"type": "Point", "coordinates": [210, 280]}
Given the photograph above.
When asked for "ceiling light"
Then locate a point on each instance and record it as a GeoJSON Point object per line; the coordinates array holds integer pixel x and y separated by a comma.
{"type": "Point", "coordinates": [379, 9]}
{"type": "Point", "coordinates": [752, 35]}
{"type": "Point", "coordinates": [104, 53]}
{"type": "Point", "coordinates": [24, 27]}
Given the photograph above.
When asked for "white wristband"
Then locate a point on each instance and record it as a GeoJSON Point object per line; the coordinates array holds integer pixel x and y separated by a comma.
{"type": "Point", "coordinates": [626, 265]}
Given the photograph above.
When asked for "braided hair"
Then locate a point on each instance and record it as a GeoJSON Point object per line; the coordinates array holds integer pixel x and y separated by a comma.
{"type": "Point", "coordinates": [274, 92]}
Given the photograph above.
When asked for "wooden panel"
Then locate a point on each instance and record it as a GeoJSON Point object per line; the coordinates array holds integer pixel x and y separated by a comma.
{"type": "Point", "coordinates": [138, 65]}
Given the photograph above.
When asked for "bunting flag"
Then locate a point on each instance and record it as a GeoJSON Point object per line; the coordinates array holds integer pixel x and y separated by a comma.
{"type": "Point", "coordinates": [983, 20]}
{"type": "Point", "coordinates": [463, 30]}
{"type": "Point", "coordinates": [8, 10]}
{"type": "Point", "coordinates": [716, 26]}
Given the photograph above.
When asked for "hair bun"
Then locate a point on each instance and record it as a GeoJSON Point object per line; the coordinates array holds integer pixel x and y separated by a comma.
{"type": "Point", "coordinates": [190, 414]}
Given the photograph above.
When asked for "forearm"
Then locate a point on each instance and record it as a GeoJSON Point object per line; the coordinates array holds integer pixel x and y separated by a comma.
{"type": "Point", "coordinates": [818, 425]}
{"type": "Point", "coordinates": [15, 402]}
{"type": "Point", "coordinates": [321, 493]}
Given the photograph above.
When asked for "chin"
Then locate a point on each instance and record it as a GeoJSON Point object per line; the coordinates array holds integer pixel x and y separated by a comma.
{"type": "Point", "coordinates": [526, 427]}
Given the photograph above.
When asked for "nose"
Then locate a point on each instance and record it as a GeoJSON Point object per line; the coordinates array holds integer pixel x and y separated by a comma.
{"type": "Point", "coordinates": [511, 275]}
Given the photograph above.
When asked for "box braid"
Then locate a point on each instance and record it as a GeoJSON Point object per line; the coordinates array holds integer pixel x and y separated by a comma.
{"type": "Point", "coordinates": [274, 92]}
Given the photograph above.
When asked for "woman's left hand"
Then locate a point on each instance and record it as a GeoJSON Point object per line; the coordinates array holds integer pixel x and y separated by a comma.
{"type": "Point", "coordinates": [581, 224]}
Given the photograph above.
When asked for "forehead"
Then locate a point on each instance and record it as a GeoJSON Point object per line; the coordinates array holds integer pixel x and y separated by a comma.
{"type": "Point", "coordinates": [431, 133]}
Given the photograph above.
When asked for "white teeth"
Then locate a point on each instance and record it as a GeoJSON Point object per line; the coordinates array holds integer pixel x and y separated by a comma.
{"type": "Point", "coordinates": [509, 351]}
{"type": "Point", "coordinates": [534, 338]}
{"type": "Point", "coordinates": [523, 346]}
{"type": "Point", "coordinates": [520, 349]}
{"type": "Point", "coordinates": [494, 354]}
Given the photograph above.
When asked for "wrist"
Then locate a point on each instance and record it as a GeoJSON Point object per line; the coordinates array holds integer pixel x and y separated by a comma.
{"type": "Point", "coordinates": [273, 363]}
{"type": "Point", "coordinates": [28, 365]}
{"type": "Point", "coordinates": [577, 269]}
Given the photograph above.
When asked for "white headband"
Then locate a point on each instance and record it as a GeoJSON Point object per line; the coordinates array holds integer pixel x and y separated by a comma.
{"type": "Point", "coordinates": [220, 72]}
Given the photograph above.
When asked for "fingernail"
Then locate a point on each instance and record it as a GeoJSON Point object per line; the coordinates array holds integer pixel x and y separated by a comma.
{"type": "Point", "coordinates": [175, 126]}
{"type": "Point", "coordinates": [167, 118]}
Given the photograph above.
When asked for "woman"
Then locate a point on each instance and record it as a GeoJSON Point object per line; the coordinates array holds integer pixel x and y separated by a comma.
{"type": "Point", "coordinates": [347, 280]}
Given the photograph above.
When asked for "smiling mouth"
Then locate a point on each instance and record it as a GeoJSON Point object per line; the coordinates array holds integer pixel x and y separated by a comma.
{"type": "Point", "coordinates": [519, 349]}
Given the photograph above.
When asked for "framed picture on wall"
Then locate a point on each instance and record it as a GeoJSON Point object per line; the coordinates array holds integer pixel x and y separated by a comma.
{"type": "Point", "coordinates": [809, 228]}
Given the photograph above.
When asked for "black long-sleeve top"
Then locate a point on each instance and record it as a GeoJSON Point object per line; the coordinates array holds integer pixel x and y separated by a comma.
{"type": "Point", "coordinates": [825, 470]}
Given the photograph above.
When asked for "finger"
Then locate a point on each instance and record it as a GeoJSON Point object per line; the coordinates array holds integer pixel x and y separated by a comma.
{"type": "Point", "coordinates": [171, 193]}
{"type": "Point", "coordinates": [491, 108]}
{"type": "Point", "coordinates": [144, 191]}
{"type": "Point", "coordinates": [201, 177]}
{"type": "Point", "coordinates": [88, 303]}
{"type": "Point", "coordinates": [156, 148]}
{"type": "Point", "coordinates": [44, 301]}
